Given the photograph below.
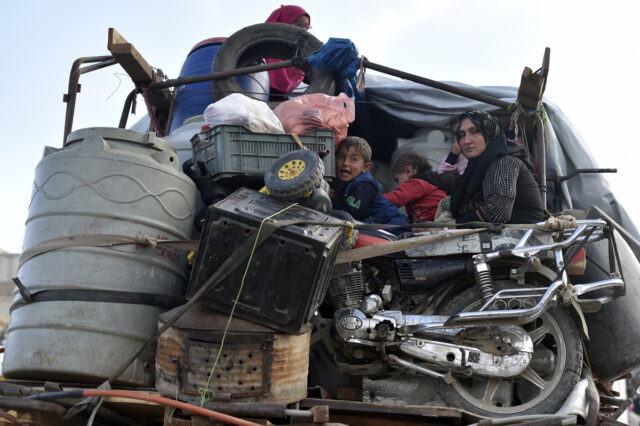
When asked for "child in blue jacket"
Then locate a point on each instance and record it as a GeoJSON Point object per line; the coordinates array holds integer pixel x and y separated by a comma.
{"type": "Point", "coordinates": [357, 192]}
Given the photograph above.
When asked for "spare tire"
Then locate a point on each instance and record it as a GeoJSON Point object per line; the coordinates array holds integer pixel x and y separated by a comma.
{"type": "Point", "coordinates": [294, 175]}
{"type": "Point", "coordinates": [269, 40]}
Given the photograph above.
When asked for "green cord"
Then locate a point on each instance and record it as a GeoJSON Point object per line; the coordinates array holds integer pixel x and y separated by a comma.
{"type": "Point", "coordinates": [204, 392]}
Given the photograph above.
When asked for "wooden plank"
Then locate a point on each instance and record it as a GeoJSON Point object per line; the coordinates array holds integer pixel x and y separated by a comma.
{"type": "Point", "coordinates": [400, 245]}
{"type": "Point", "coordinates": [129, 58]}
{"type": "Point", "coordinates": [115, 38]}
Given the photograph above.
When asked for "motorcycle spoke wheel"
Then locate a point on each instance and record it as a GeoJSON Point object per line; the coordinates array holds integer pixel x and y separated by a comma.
{"type": "Point", "coordinates": [541, 388]}
{"type": "Point", "coordinates": [532, 377]}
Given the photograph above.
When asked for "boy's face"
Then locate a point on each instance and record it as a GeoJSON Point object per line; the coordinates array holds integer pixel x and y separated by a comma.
{"type": "Point", "coordinates": [349, 164]}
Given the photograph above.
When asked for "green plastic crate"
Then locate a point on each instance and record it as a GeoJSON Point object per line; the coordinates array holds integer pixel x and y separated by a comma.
{"type": "Point", "coordinates": [228, 149]}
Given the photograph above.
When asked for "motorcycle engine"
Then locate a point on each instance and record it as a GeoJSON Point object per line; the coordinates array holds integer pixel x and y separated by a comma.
{"type": "Point", "coordinates": [347, 286]}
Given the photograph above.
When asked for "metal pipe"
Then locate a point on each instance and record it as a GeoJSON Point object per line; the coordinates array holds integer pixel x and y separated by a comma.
{"type": "Point", "coordinates": [531, 250]}
{"type": "Point", "coordinates": [580, 171]}
{"type": "Point", "coordinates": [246, 409]}
{"type": "Point", "coordinates": [559, 179]}
{"type": "Point", "coordinates": [256, 410]}
{"type": "Point", "coordinates": [415, 367]}
{"type": "Point", "coordinates": [127, 107]}
{"type": "Point", "coordinates": [436, 84]}
{"type": "Point", "coordinates": [550, 419]}
{"type": "Point", "coordinates": [74, 78]}
{"type": "Point", "coordinates": [580, 289]}
{"type": "Point", "coordinates": [98, 66]}
{"type": "Point", "coordinates": [542, 158]}
{"type": "Point", "coordinates": [220, 75]}
{"type": "Point", "coordinates": [522, 316]}
{"type": "Point", "coordinates": [517, 316]}
{"type": "Point", "coordinates": [630, 239]}
{"type": "Point", "coordinates": [198, 79]}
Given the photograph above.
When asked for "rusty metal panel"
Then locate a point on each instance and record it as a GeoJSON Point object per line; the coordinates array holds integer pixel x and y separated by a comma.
{"type": "Point", "coordinates": [256, 364]}
{"type": "Point", "coordinates": [241, 371]}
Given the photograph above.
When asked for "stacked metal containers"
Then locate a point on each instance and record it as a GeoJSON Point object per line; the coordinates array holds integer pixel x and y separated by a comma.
{"type": "Point", "coordinates": [273, 296]}
{"type": "Point", "coordinates": [93, 305]}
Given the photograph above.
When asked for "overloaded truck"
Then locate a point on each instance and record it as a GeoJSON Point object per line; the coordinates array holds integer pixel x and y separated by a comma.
{"type": "Point", "coordinates": [184, 272]}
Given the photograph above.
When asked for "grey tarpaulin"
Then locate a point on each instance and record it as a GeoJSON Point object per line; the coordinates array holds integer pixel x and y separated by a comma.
{"type": "Point", "coordinates": [425, 107]}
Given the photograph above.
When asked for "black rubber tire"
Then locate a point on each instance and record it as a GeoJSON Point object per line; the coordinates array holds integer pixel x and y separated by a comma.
{"type": "Point", "coordinates": [268, 40]}
{"type": "Point", "coordinates": [573, 355]}
{"type": "Point", "coordinates": [299, 186]}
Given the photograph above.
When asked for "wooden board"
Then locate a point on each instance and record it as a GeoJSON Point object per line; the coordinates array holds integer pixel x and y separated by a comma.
{"type": "Point", "coordinates": [129, 58]}
{"type": "Point", "coordinates": [400, 245]}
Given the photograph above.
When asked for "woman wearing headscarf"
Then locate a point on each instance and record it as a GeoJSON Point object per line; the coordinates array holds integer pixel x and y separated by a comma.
{"type": "Point", "coordinates": [496, 186]}
{"type": "Point", "coordinates": [285, 80]}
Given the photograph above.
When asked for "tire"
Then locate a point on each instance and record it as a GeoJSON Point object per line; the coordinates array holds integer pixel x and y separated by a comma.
{"type": "Point", "coordinates": [294, 175]}
{"type": "Point", "coordinates": [519, 396]}
{"type": "Point", "coordinates": [269, 40]}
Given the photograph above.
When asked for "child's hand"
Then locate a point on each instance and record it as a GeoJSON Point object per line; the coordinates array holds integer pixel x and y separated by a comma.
{"type": "Point", "coordinates": [455, 147]}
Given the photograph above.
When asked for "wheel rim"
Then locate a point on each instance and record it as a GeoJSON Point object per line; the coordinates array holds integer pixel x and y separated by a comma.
{"type": "Point", "coordinates": [291, 169]}
{"type": "Point", "coordinates": [534, 385]}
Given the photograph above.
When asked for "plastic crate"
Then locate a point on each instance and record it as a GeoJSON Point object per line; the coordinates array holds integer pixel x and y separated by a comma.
{"type": "Point", "coordinates": [229, 150]}
{"type": "Point", "coordinates": [289, 272]}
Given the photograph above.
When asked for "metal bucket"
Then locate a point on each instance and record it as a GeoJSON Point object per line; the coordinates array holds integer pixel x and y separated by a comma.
{"type": "Point", "coordinates": [92, 306]}
{"type": "Point", "coordinates": [256, 365]}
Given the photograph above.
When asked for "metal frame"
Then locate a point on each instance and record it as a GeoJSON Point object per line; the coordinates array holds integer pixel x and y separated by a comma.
{"type": "Point", "coordinates": [545, 296]}
{"type": "Point", "coordinates": [74, 86]}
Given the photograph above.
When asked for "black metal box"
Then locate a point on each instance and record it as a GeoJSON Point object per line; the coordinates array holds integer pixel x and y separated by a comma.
{"type": "Point", "coordinates": [289, 272]}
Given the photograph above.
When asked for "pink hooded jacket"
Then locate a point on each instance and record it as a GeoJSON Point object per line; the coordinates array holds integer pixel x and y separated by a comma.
{"type": "Point", "coordinates": [285, 79]}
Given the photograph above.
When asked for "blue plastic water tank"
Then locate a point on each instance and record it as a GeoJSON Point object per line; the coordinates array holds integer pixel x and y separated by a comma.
{"type": "Point", "coordinates": [192, 99]}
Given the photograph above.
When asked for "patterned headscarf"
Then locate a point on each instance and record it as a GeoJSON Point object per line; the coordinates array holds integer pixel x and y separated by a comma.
{"type": "Point", "coordinates": [468, 186]}
{"type": "Point", "coordinates": [486, 123]}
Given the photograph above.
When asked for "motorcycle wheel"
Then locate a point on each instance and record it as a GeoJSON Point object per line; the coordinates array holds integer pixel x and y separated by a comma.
{"type": "Point", "coordinates": [542, 388]}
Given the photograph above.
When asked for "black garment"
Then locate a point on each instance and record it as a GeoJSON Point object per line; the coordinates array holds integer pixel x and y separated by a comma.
{"type": "Point", "coordinates": [467, 186]}
{"type": "Point", "coordinates": [431, 177]}
{"type": "Point", "coordinates": [504, 202]}
{"type": "Point", "coordinates": [498, 184]}
{"type": "Point", "coordinates": [363, 195]}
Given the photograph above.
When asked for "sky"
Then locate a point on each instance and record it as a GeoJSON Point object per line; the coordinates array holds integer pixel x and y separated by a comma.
{"type": "Point", "coordinates": [592, 78]}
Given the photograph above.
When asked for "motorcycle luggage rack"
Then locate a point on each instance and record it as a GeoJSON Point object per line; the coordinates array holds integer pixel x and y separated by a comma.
{"type": "Point", "coordinates": [523, 316]}
{"type": "Point", "coordinates": [520, 250]}
{"type": "Point", "coordinates": [519, 294]}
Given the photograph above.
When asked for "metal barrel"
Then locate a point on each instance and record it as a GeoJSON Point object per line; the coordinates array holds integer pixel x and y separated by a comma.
{"type": "Point", "coordinates": [93, 305]}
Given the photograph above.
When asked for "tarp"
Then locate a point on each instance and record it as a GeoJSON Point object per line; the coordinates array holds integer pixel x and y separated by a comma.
{"type": "Point", "coordinates": [419, 106]}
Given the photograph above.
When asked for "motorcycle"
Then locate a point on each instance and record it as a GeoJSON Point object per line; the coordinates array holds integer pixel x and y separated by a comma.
{"type": "Point", "coordinates": [490, 322]}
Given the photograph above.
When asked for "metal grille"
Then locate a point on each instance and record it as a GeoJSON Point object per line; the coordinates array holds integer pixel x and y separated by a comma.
{"type": "Point", "coordinates": [239, 372]}
{"type": "Point", "coordinates": [347, 290]}
{"type": "Point", "coordinates": [405, 270]}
